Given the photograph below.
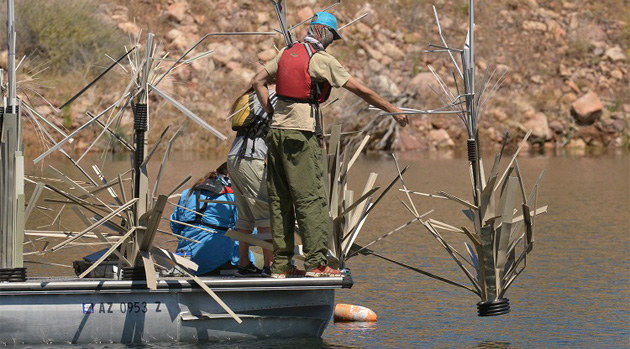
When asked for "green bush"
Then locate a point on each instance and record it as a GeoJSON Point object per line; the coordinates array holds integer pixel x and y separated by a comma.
{"type": "Point", "coordinates": [64, 33]}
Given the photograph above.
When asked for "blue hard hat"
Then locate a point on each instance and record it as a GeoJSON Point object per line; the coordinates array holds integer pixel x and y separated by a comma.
{"type": "Point", "coordinates": [325, 18]}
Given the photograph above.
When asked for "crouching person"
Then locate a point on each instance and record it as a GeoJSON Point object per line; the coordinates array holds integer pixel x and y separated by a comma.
{"type": "Point", "coordinates": [205, 213]}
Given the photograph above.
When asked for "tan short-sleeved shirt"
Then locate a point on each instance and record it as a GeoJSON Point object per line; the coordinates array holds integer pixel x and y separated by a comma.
{"type": "Point", "coordinates": [297, 116]}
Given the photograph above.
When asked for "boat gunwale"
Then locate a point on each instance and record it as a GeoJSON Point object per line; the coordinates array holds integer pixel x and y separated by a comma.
{"type": "Point", "coordinates": [173, 285]}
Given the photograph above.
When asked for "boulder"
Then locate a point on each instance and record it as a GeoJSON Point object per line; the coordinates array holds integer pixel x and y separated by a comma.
{"type": "Point", "coordinates": [591, 33]}
{"type": "Point", "coordinates": [236, 66]}
{"type": "Point", "coordinates": [567, 5]}
{"type": "Point", "coordinates": [392, 50]}
{"type": "Point", "coordinates": [564, 70]}
{"type": "Point", "coordinates": [616, 74]}
{"type": "Point", "coordinates": [547, 13]}
{"type": "Point", "coordinates": [267, 54]}
{"type": "Point", "coordinates": [386, 61]}
{"type": "Point", "coordinates": [199, 19]}
{"type": "Point", "coordinates": [587, 109]}
{"type": "Point", "coordinates": [374, 65]}
{"type": "Point", "coordinates": [499, 115]}
{"type": "Point", "coordinates": [539, 126]}
{"type": "Point", "coordinates": [556, 126]}
{"type": "Point", "coordinates": [568, 98]}
{"type": "Point", "coordinates": [576, 144]}
{"type": "Point", "coordinates": [440, 122]}
{"type": "Point", "coordinates": [177, 11]}
{"type": "Point", "coordinates": [263, 17]}
{"type": "Point", "coordinates": [362, 28]}
{"type": "Point", "coordinates": [305, 13]}
{"type": "Point", "coordinates": [408, 141]}
{"type": "Point", "coordinates": [240, 73]}
{"type": "Point", "coordinates": [191, 28]}
{"type": "Point", "coordinates": [501, 68]}
{"type": "Point", "coordinates": [598, 51]}
{"type": "Point", "coordinates": [174, 34]}
{"type": "Point", "coordinates": [494, 135]}
{"type": "Point", "coordinates": [552, 26]}
{"type": "Point", "coordinates": [205, 65]}
{"type": "Point", "coordinates": [419, 85]}
{"type": "Point", "coordinates": [372, 18]}
{"type": "Point", "coordinates": [441, 139]}
{"type": "Point", "coordinates": [610, 125]}
{"type": "Point", "coordinates": [181, 40]}
{"type": "Point", "coordinates": [534, 26]}
{"type": "Point", "coordinates": [381, 84]}
{"type": "Point", "coordinates": [447, 23]}
{"type": "Point", "coordinates": [421, 124]}
{"type": "Point", "coordinates": [532, 4]}
{"type": "Point", "coordinates": [615, 54]}
{"type": "Point", "coordinates": [224, 53]}
{"type": "Point", "coordinates": [372, 52]}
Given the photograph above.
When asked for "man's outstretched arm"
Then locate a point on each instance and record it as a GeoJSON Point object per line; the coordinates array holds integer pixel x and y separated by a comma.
{"type": "Point", "coordinates": [365, 93]}
{"type": "Point", "coordinates": [259, 83]}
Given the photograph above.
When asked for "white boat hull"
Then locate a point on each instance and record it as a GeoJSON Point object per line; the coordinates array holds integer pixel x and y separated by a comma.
{"type": "Point", "coordinates": [37, 312]}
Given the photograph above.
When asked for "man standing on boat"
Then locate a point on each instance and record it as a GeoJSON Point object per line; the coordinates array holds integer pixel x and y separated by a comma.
{"type": "Point", "coordinates": [304, 74]}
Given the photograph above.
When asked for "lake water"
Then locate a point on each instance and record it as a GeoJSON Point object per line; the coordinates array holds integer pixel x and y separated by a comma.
{"type": "Point", "coordinates": [575, 291]}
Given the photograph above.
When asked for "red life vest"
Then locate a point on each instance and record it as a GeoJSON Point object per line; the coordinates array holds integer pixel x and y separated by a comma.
{"type": "Point", "coordinates": [293, 83]}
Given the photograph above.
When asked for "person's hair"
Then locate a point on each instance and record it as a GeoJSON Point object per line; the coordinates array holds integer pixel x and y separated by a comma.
{"type": "Point", "coordinates": [235, 103]}
{"type": "Point", "coordinates": [209, 175]}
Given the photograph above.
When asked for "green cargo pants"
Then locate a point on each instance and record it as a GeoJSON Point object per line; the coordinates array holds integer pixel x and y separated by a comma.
{"type": "Point", "coordinates": [296, 191]}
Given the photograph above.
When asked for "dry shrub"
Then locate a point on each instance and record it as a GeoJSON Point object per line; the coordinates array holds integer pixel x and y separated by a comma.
{"type": "Point", "coordinates": [65, 33]}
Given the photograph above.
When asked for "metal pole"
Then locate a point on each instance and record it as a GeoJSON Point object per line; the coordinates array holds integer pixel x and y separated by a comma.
{"type": "Point", "coordinates": [12, 102]}
{"type": "Point", "coordinates": [141, 128]}
{"type": "Point", "coordinates": [12, 174]}
{"type": "Point", "coordinates": [469, 85]}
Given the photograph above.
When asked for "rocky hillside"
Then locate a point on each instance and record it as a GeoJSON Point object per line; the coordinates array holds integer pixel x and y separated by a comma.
{"type": "Point", "coordinates": [566, 63]}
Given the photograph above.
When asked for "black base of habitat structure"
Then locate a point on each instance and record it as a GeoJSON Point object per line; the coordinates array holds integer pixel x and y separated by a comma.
{"type": "Point", "coordinates": [12, 274]}
{"type": "Point", "coordinates": [130, 273]}
{"type": "Point", "coordinates": [494, 308]}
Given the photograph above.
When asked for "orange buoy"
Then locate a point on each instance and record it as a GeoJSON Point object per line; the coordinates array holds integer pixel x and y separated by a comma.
{"type": "Point", "coordinates": [349, 312]}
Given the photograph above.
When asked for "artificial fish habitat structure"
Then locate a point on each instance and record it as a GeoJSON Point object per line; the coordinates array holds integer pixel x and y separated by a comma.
{"type": "Point", "coordinates": [502, 213]}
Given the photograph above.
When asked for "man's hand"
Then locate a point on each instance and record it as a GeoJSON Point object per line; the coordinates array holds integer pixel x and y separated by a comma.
{"type": "Point", "coordinates": [401, 119]}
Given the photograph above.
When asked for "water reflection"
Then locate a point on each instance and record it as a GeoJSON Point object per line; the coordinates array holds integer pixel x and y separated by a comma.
{"type": "Point", "coordinates": [356, 328]}
{"type": "Point", "coordinates": [357, 325]}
